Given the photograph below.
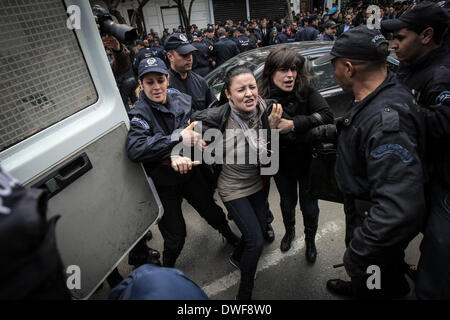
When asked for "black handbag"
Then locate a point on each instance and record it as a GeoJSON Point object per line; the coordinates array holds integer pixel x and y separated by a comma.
{"type": "Point", "coordinates": [321, 183]}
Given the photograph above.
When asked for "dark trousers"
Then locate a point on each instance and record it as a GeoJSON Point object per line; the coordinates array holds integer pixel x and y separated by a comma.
{"type": "Point", "coordinates": [392, 265]}
{"type": "Point", "coordinates": [287, 187]}
{"type": "Point", "coordinates": [197, 191]}
{"type": "Point", "coordinates": [249, 214]}
{"type": "Point", "coordinates": [433, 271]}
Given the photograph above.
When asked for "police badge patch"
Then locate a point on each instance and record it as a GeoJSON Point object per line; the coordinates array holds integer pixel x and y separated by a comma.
{"type": "Point", "coordinates": [395, 149]}
{"type": "Point", "coordinates": [141, 122]}
{"type": "Point", "coordinates": [443, 97]}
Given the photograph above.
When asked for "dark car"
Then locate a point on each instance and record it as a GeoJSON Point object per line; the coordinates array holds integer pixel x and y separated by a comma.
{"type": "Point", "coordinates": [321, 182]}
{"type": "Point", "coordinates": [323, 75]}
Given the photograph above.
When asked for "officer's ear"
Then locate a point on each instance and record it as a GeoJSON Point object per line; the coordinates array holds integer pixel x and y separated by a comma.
{"type": "Point", "coordinates": [427, 35]}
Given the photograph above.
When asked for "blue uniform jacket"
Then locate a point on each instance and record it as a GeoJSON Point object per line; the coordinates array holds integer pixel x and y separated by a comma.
{"type": "Point", "coordinates": [380, 152]}
{"type": "Point", "coordinates": [150, 139]}
{"type": "Point", "coordinates": [196, 87]}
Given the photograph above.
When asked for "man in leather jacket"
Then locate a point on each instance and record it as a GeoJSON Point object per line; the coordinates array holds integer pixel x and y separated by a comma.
{"type": "Point", "coordinates": [379, 168]}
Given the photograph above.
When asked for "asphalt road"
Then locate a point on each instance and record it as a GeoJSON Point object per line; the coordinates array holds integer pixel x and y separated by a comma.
{"type": "Point", "coordinates": [280, 276]}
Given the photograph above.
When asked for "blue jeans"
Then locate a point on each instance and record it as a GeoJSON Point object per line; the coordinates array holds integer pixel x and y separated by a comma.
{"type": "Point", "coordinates": [433, 271]}
{"type": "Point", "coordinates": [249, 214]}
{"type": "Point", "coordinates": [287, 187]}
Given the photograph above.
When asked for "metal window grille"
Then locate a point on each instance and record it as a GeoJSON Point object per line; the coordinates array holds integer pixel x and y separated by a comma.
{"type": "Point", "coordinates": [43, 75]}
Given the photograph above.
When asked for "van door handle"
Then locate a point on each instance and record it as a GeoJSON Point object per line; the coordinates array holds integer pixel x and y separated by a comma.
{"type": "Point", "coordinates": [65, 175]}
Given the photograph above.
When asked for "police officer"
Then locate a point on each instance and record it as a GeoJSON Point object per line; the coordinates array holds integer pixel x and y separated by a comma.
{"type": "Point", "coordinates": [225, 48]}
{"type": "Point", "coordinates": [425, 69]}
{"type": "Point", "coordinates": [329, 33]}
{"type": "Point", "coordinates": [151, 138]}
{"type": "Point", "coordinates": [379, 166]}
{"type": "Point", "coordinates": [209, 39]}
{"type": "Point", "coordinates": [179, 54]}
{"type": "Point", "coordinates": [203, 57]}
{"type": "Point", "coordinates": [310, 32]}
{"type": "Point", "coordinates": [281, 36]}
{"type": "Point", "coordinates": [243, 42]}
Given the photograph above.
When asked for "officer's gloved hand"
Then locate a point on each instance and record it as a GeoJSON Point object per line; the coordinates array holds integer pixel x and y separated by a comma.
{"type": "Point", "coordinates": [323, 133]}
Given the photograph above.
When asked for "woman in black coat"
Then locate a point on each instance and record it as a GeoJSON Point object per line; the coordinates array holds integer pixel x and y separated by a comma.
{"type": "Point", "coordinates": [286, 80]}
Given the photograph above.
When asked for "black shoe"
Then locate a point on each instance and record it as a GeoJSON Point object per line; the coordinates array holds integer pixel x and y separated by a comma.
{"type": "Point", "coordinates": [340, 287]}
{"type": "Point", "coordinates": [287, 239]}
{"type": "Point", "coordinates": [311, 251]}
{"type": "Point", "coordinates": [269, 234]}
{"type": "Point", "coordinates": [235, 263]}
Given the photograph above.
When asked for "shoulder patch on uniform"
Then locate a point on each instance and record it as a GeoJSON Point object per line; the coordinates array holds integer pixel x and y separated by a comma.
{"type": "Point", "coordinates": [141, 122]}
{"type": "Point", "coordinates": [172, 90]}
{"type": "Point", "coordinates": [443, 97]}
{"type": "Point", "coordinates": [395, 149]}
{"type": "Point", "coordinates": [390, 120]}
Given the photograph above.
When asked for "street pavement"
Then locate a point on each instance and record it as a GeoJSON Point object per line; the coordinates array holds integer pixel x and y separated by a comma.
{"type": "Point", "coordinates": [280, 276]}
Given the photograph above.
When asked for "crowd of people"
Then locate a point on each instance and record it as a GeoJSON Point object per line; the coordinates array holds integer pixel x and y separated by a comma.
{"type": "Point", "coordinates": [394, 176]}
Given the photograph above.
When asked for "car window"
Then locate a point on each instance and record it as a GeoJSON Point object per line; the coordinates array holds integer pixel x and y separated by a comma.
{"type": "Point", "coordinates": [323, 74]}
{"type": "Point", "coordinates": [44, 76]}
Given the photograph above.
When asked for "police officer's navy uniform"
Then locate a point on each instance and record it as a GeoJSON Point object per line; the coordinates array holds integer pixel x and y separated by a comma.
{"type": "Point", "coordinates": [150, 140]}
{"type": "Point", "coordinates": [225, 49]}
{"type": "Point", "coordinates": [244, 43]}
{"type": "Point", "coordinates": [379, 169]}
{"type": "Point", "coordinates": [202, 59]}
{"type": "Point", "coordinates": [195, 86]}
{"type": "Point", "coordinates": [429, 80]}
{"type": "Point", "coordinates": [308, 33]}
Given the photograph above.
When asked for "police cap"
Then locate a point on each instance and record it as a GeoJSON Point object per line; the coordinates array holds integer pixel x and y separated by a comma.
{"type": "Point", "coordinates": [179, 43]}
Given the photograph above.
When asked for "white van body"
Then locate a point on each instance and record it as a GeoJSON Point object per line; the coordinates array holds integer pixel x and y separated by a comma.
{"type": "Point", "coordinates": [63, 127]}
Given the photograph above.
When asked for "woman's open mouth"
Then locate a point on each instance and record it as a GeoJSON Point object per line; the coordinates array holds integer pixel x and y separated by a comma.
{"type": "Point", "coordinates": [249, 102]}
{"type": "Point", "coordinates": [289, 83]}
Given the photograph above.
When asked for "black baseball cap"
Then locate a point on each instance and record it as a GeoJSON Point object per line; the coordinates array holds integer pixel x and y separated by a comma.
{"type": "Point", "coordinates": [421, 15]}
{"type": "Point", "coordinates": [359, 43]}
{"type": "Point", "coordinates": [152, 64]}
{"type": "Point", "coordinates": [209, 29]}
{"type": "Point", "coordinates": [140, 43]}
{"type": "Point", "coordinates": [179, 43]}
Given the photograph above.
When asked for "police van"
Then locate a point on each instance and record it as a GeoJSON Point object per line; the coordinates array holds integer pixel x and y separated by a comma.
{"type": "Point", "coordinates": [63, 127]}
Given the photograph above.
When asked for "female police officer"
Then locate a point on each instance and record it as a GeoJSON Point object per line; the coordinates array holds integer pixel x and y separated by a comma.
{"type": "Point", "coordinates": [151, 139]}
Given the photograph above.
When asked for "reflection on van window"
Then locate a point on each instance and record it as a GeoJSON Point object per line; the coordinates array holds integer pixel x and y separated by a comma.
{"type": "Point", "coordinates": [44, 75]}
